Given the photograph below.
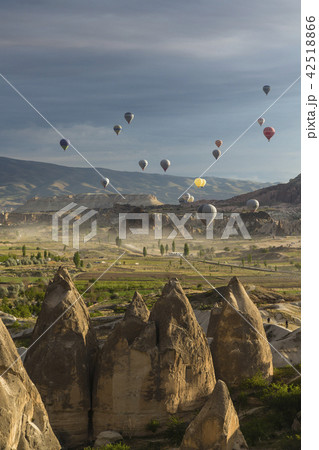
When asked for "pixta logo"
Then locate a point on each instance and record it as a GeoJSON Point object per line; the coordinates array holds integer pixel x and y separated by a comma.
{"type": "Point", "coordinates": [74, 219]}
{"type": "Point", "coordinates": [179, 225]}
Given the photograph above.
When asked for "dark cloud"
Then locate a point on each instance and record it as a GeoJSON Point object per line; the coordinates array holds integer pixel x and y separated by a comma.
{"type": "Point", "coordinates": [190, 71]}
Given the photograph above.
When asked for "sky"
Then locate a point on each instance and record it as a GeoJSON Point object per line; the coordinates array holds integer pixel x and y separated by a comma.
{"type": "Point", "coordinates": [191, 72]}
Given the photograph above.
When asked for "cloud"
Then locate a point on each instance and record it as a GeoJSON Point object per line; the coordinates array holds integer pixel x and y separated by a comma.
{"type": "Point", "coordinates": [190, 71]}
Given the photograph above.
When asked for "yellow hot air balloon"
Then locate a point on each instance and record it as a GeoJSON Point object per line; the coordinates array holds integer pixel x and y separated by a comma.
{"type": "Point", "coordinates": [218, 143]}
{"type": "Point", "coordinates": [199, 182]}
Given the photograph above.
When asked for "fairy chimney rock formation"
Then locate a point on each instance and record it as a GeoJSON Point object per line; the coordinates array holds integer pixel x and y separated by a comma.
{"type": "Point", "coordinates": [24, 422]}
{"type": "Point", "coordinates": [61, 360]}
{"type": "Point", "coordinates": [239, 347]}
{"type": "Point", "coordinates": [216, 427]}
{"type": "Point", "coordinates": [150, 368]}
{"type": "Point", "coordinates": [137, 308]}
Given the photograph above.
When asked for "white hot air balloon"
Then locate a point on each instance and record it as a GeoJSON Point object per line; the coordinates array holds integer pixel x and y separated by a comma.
{"type": "Point", "coordinates": [210, 213]}
{"type": "Point", "coordinates": [252, 204]}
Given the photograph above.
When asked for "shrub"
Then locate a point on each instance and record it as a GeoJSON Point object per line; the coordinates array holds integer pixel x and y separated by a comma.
{"type": "Point", "coordinates": [284, 374]}
{"type": "Point", "coordinates": [255, 382]}
{"type": "Point", "coordinates": [290, 442]}
{"type": "Point", "coordinates": [153, 425]}
{"type": "Point", "coordinates": [284, 398]}
{"type": "Point", "coordinates": [3, 292]}
{"type": "Point", "coordinates": [175, 430]}
{"type": "Point", "coordinates": [256, 429]}
{"type": "Point", "coordinates": [242, 399]}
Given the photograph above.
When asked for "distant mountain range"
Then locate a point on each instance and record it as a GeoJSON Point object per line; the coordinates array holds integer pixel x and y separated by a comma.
{"type": "Point", "coordinates": [21, 180]}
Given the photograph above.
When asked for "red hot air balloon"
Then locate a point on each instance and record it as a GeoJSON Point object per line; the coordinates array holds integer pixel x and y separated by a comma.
{"type": "Point", "coordinates": [269, 132]}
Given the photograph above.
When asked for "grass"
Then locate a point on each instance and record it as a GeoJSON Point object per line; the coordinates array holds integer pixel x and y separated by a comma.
{"type": "Point", "coordinates": [114, 292]}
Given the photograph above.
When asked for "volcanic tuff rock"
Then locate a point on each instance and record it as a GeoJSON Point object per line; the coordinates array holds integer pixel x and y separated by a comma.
{"type": "Point", "coordinates": [240, 348]}
{"type": "Point", "coordinates": [288, 346]}
{"type": "Point", "coordinates": [149, 369]}
{"type": "Point", "coordinates": [24, 423]}
{"type": "Point", "coordinates": [61, 362]}
{"type": "Point", "coordinates": [137, 309]}
{"type": "Point", "coordinates": [216, 427]}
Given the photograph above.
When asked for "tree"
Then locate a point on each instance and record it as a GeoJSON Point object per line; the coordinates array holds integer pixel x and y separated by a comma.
{"type": "Point", "coordinates": [45, 254]}
{"type": "Point", "coordinates": [166, 248]}
{"type": "Point", "coordinates": [173, 246]}
{"type": "Point", "coordinates": [144, 252]}
{"type": "Point", "coordinates": [118, 241]}
{"type": "Point", "coordinates": [76, 259]}
{"type": "Point", "coordinates": [81, 263]}
{"type": "Point", "coordinates": [162, 249]}
{"type": "Point", "coordinates": [249, 258]}
{"type": "Point", "coordinates": [24, 249]}
{"type": "Point", "coordinates": [39, 256]}
{"type": "Point", "coordinates": [186, 249]}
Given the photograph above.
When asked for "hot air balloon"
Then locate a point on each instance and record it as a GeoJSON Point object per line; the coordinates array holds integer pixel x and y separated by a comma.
{"type": "Point", "coordinates": [269, 132]}
{"type": "Point", "coordinates": [128, 116]}
{"type": "Point", "coordinates": [105, 182]}
{"type": "Point", "coordinates": [207, 208]}
{"type": "Point", "coordinates": [261, 121]}
{"type": "Point", "coordinates": [117, 129]}
{"type": "Point", "coordinates": [64, 143]}
{"type": "Point", "coordinates": [216, 153]}
{"type": "Point", "coordinates": [185, 198]}
{"type": "Point", "coordinates": [199, 182]}
{"type": "Point", "coordinates": [266, 89]}
{"type": "Point", "coordinates": [165, 163]}
{"type": "Point", "coordinates": [191, 199]}
{"type": "Point", "coordinates": [143, 164]}
{"type": "Point", "coordinates": [218, 143]}
{"type": "Point", "coordinates": [252, 204]}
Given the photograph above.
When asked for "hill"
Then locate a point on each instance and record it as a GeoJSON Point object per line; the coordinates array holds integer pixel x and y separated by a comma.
{"type": "Point", "coordinates": [21, 180]}
{"type": "Point", "coordinates": [289, 193]}
{"type": "Point", "coordinates": [93, 201]}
